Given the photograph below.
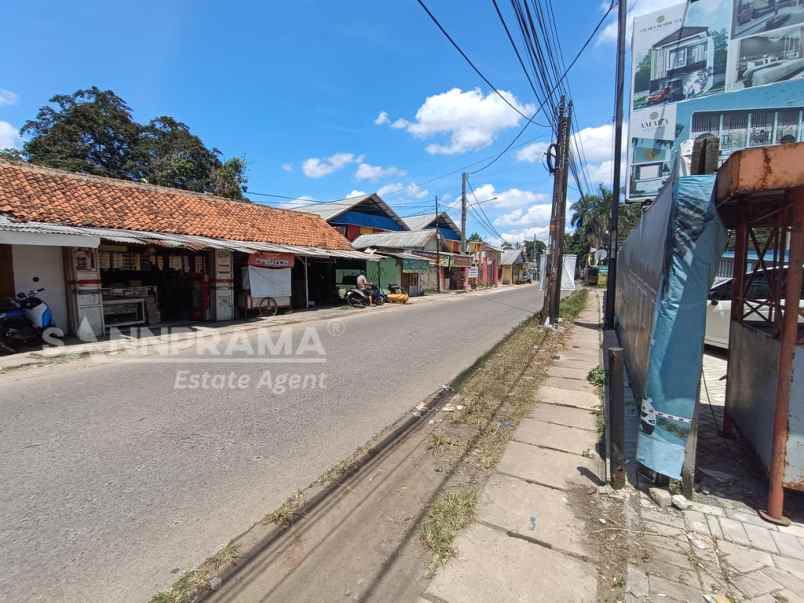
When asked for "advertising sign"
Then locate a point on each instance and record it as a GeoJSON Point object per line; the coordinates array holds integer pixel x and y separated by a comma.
{"type": "Point", "coordinates": [678, 54]}
{"type": "Point", "coordinates": [472, 272]}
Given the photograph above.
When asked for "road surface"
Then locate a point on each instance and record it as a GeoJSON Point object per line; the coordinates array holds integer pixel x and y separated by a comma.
{"type": "Point", "coordinates": [119, 475]}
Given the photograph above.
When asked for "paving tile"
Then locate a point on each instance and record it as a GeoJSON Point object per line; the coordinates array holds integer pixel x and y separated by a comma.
{"type": "Point", "coordinates": [789, 545]}
{"type": "Point", "coordinates": [548, 467]}
{"type": "Point", "coordinates": [796, 529]}
{"type": "Point", "coordinates": [534, 511]}
{"type": "Point", "coordinates": [760, 538]}
{"type": "Point", "coordinates": [734, 531]}
{"type": "Point", "coordinates": [786, 579]}
{"type": "Point", "coordinates": [696, 522]}
{"type": "Point", "coordinates": [780, 596]}
{"type": "Point", "coordinates": [667, 517]}
{"type": "Point", "coordinates": [636, 582]}
{"type": "Point", "coordinates": [559, 437]}
{"type": "Point", "coordinates": [665, 557]}
{"type": "Point", "coordinates": [673, 572]}
{"type": "Point", "coordinates": [714, 526]}
{"type": "Point", "coordinates": [491, 566]}
{"type": "Point", "coordinates": [793, 566]}
{"type": "Point", "coordinates": [755, 584]}
{"type": "Point", "coordinates": [572, 384]}
{"type": "Point", "coordinates": [558, 395]}
{"type": "Point", "coordinates": [567, 372]}
{"type": "Point", "coordinates": [751, 518]}
{"type": "Point", "coordinates": [708, 509]}
{"type": "Point", "coordinates": [564, 415]}
{"type": "Point", "coordinates": [663, 589]}
{"type": "Point", "coordinates": [744, 559]}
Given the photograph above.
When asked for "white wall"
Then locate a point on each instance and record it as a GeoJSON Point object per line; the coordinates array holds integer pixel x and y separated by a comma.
{"type": "Point", "coordinates": [47, 263]}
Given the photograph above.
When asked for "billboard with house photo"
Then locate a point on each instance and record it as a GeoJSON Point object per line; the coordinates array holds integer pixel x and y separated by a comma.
{"type": "Point", "coordinates": [677, 54]}
{"type": "Point", "coordinates": [767, 58]}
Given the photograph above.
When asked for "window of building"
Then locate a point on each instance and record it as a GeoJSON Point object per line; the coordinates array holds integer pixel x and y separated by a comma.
{"type": "Point", "coordinates": [761, 128]}
{"type": "Point", "coordinates": [678, 58]}
{"type": "Point", "coordinates": [787, 126]}
{"type": "Point", "coordinates": [645, 172]}
{"type": "Point", "coordinates": [733, 134]}
{"type": "Point", "coordinates": [705, 123]}
{"type": "Point", "coordinates": [698, 53]}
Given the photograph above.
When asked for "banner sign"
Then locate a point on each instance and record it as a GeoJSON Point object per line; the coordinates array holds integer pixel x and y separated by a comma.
{"type": "Point", "coordinates": [472, 272]}
{"type": "Point", "coordinates": [267, 259]}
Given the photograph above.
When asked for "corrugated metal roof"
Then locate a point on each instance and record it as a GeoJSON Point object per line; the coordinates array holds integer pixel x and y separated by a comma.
{"type": "Point", "coordinates": [395, 240]}
{"type": "Point", "coordinates": [421, 222]}
{"type": "Point", "coordinates": [328, 211]}
{"type": "Point", "coordinates": [510, 256]}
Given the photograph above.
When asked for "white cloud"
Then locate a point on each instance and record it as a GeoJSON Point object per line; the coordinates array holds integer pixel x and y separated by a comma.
{"type": "Point", "coordinates": [7, 97]}
{"type": "Point", "coordinates": [526, 234]}
{"type": "Point", "coordinates": [366, 171]}
{"type": "Point", "coordinates": [533, 153]}
{"type": "Point", "coordinates": [597, 147]}
{"type": "Point", "coordinates": [298, 202]}
{"type": "Point", "coordinates": [356, 193]}
{"type": "Point", "coordinates": [287, 167]}
{"type": "Point", "coordinates": [315, 167]}
{"type": "Point", "coordinates": [9, 136]}
{"type": "Point", "coordinates": [381, 119]}
{"type": "Point", "coordinates": [410, 191]}
{"type": "Point", "coordinates": [513, 197]}
{"type": "Point", "coordinates": [471, 119]}
{"type": "Point", "coordinates": [636, 8]}
{"type": "Point", "coordinates": [415, 191]}
{"type": "Point", "coordinates": [535, 215]}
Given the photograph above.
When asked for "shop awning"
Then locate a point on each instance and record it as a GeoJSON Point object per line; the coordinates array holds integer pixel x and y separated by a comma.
{"type": "Point", "coordinates": [37, 233]}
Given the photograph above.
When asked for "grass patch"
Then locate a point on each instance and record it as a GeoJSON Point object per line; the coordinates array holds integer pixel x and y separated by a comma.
{"type": "Point", "coordinates": [440, 443]}
{"type": "Point", "coordinates": [573, 305]}
{"type": "Point", "coordinates": [288, 512]}
{"type": "Point", "coordinates": [597, 377]}
{"type": "Point", "coordinates": [450, 512]}
{"type": "Point", "coordinates": [187, 588]}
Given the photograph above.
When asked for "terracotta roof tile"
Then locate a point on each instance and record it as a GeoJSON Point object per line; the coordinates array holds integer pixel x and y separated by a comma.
{"type": "Point", "coordinates": [33, 193]}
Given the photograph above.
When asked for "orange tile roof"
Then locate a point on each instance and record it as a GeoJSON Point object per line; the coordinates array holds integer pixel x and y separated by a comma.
{"type": "Point", "coordinates": [37, 194]}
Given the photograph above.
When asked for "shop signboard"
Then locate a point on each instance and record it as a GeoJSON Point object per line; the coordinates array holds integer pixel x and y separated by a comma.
{"type": "Point", "coordinates": [266, 259]}
{"type": "Point", "coordinates": [415, 266]}
{"type": "Point", "coordinates": [473, 272]}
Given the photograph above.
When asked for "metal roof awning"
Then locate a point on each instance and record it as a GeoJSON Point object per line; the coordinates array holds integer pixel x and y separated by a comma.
{"type": "Point", "coordinates": [39, 233]}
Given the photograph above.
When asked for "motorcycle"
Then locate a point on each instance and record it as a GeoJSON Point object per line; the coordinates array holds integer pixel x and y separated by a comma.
{"type": "Point", "coordinates": [359, 298]}
{"type": "Point", "coordinates": [24, 319]}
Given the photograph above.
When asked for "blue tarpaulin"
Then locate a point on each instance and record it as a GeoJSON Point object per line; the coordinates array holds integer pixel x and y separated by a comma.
{"type": "Point", "coordinates": [666, 268]}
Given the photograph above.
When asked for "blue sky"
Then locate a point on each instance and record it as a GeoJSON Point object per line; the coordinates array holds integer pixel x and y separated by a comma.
{"type": "Point", "coordinates": [298, 89]}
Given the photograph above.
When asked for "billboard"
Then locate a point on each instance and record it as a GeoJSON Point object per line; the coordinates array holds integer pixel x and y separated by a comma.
{"type": "Point", "coordinates": [699, 53]}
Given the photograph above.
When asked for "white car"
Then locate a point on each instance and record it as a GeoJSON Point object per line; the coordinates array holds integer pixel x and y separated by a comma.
{"type": "Point", "coordinates": [718, 309]}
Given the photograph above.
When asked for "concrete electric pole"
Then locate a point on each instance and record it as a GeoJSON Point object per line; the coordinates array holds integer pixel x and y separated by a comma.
{"type": "Point", "coordinates": [463, 212]}
{"type": "Point", "coordinates": [614, 221]}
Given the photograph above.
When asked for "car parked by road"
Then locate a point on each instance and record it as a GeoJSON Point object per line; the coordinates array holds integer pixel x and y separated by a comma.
{"type": "Point", "coordinates": [718, 308]}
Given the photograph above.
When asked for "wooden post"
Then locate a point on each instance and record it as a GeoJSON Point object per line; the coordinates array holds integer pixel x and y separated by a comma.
{"type": "Point", "coordinates": [615, 421]}
{"type": "Point", "coordinates": [738, 297]}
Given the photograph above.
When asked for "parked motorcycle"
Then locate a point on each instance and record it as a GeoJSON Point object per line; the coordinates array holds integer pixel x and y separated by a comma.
{"type": "Point", "coordinates": [24, 320]}
{"type": "Point", "coordinates": [359, 298]}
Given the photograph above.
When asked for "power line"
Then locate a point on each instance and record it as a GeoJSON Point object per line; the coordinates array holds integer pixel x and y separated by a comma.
{"type": "Point", "coordinates": [472, 65]}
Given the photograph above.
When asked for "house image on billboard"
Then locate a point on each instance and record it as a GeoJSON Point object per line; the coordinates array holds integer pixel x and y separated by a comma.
{"type": "Point", "coordinates": [681, 65]}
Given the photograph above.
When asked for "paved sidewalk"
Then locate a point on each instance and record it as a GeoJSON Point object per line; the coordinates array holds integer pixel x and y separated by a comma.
{"type": "Point", "coordinates": [719, 546]}
{"type": "Point", "coordinates": [529, 541]}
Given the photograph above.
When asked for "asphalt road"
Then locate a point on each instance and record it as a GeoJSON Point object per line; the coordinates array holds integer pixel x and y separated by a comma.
{"type": "Point", "coordinates": [115, 480]}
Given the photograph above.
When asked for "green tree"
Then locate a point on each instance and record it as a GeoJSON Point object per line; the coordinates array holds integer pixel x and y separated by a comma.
{"type": "Point", "coordinates": [92, 131]}
{"type": "Point", "coordinates": [642, 75]}
{"type": "Point", "coordinates": [534, 248]}
{"type": "Point", "coordinates": [89, 131]}
{"type": "Point", "coordinates": [229, 180]}
{"type": "Point", "coordinates": [475, 236]}
{"type": "Point", "coordinates": [590, 219]}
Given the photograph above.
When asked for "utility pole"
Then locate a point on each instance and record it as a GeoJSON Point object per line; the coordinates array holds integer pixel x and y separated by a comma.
{"type": "Point", "coordinates": [560, 171]}
{"type": "Point", "coordinates": [438, 249]}
{"type": "Point", "coordinates": [464, 177]}
{"type": "Point", "coordinates": [614, 221]}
